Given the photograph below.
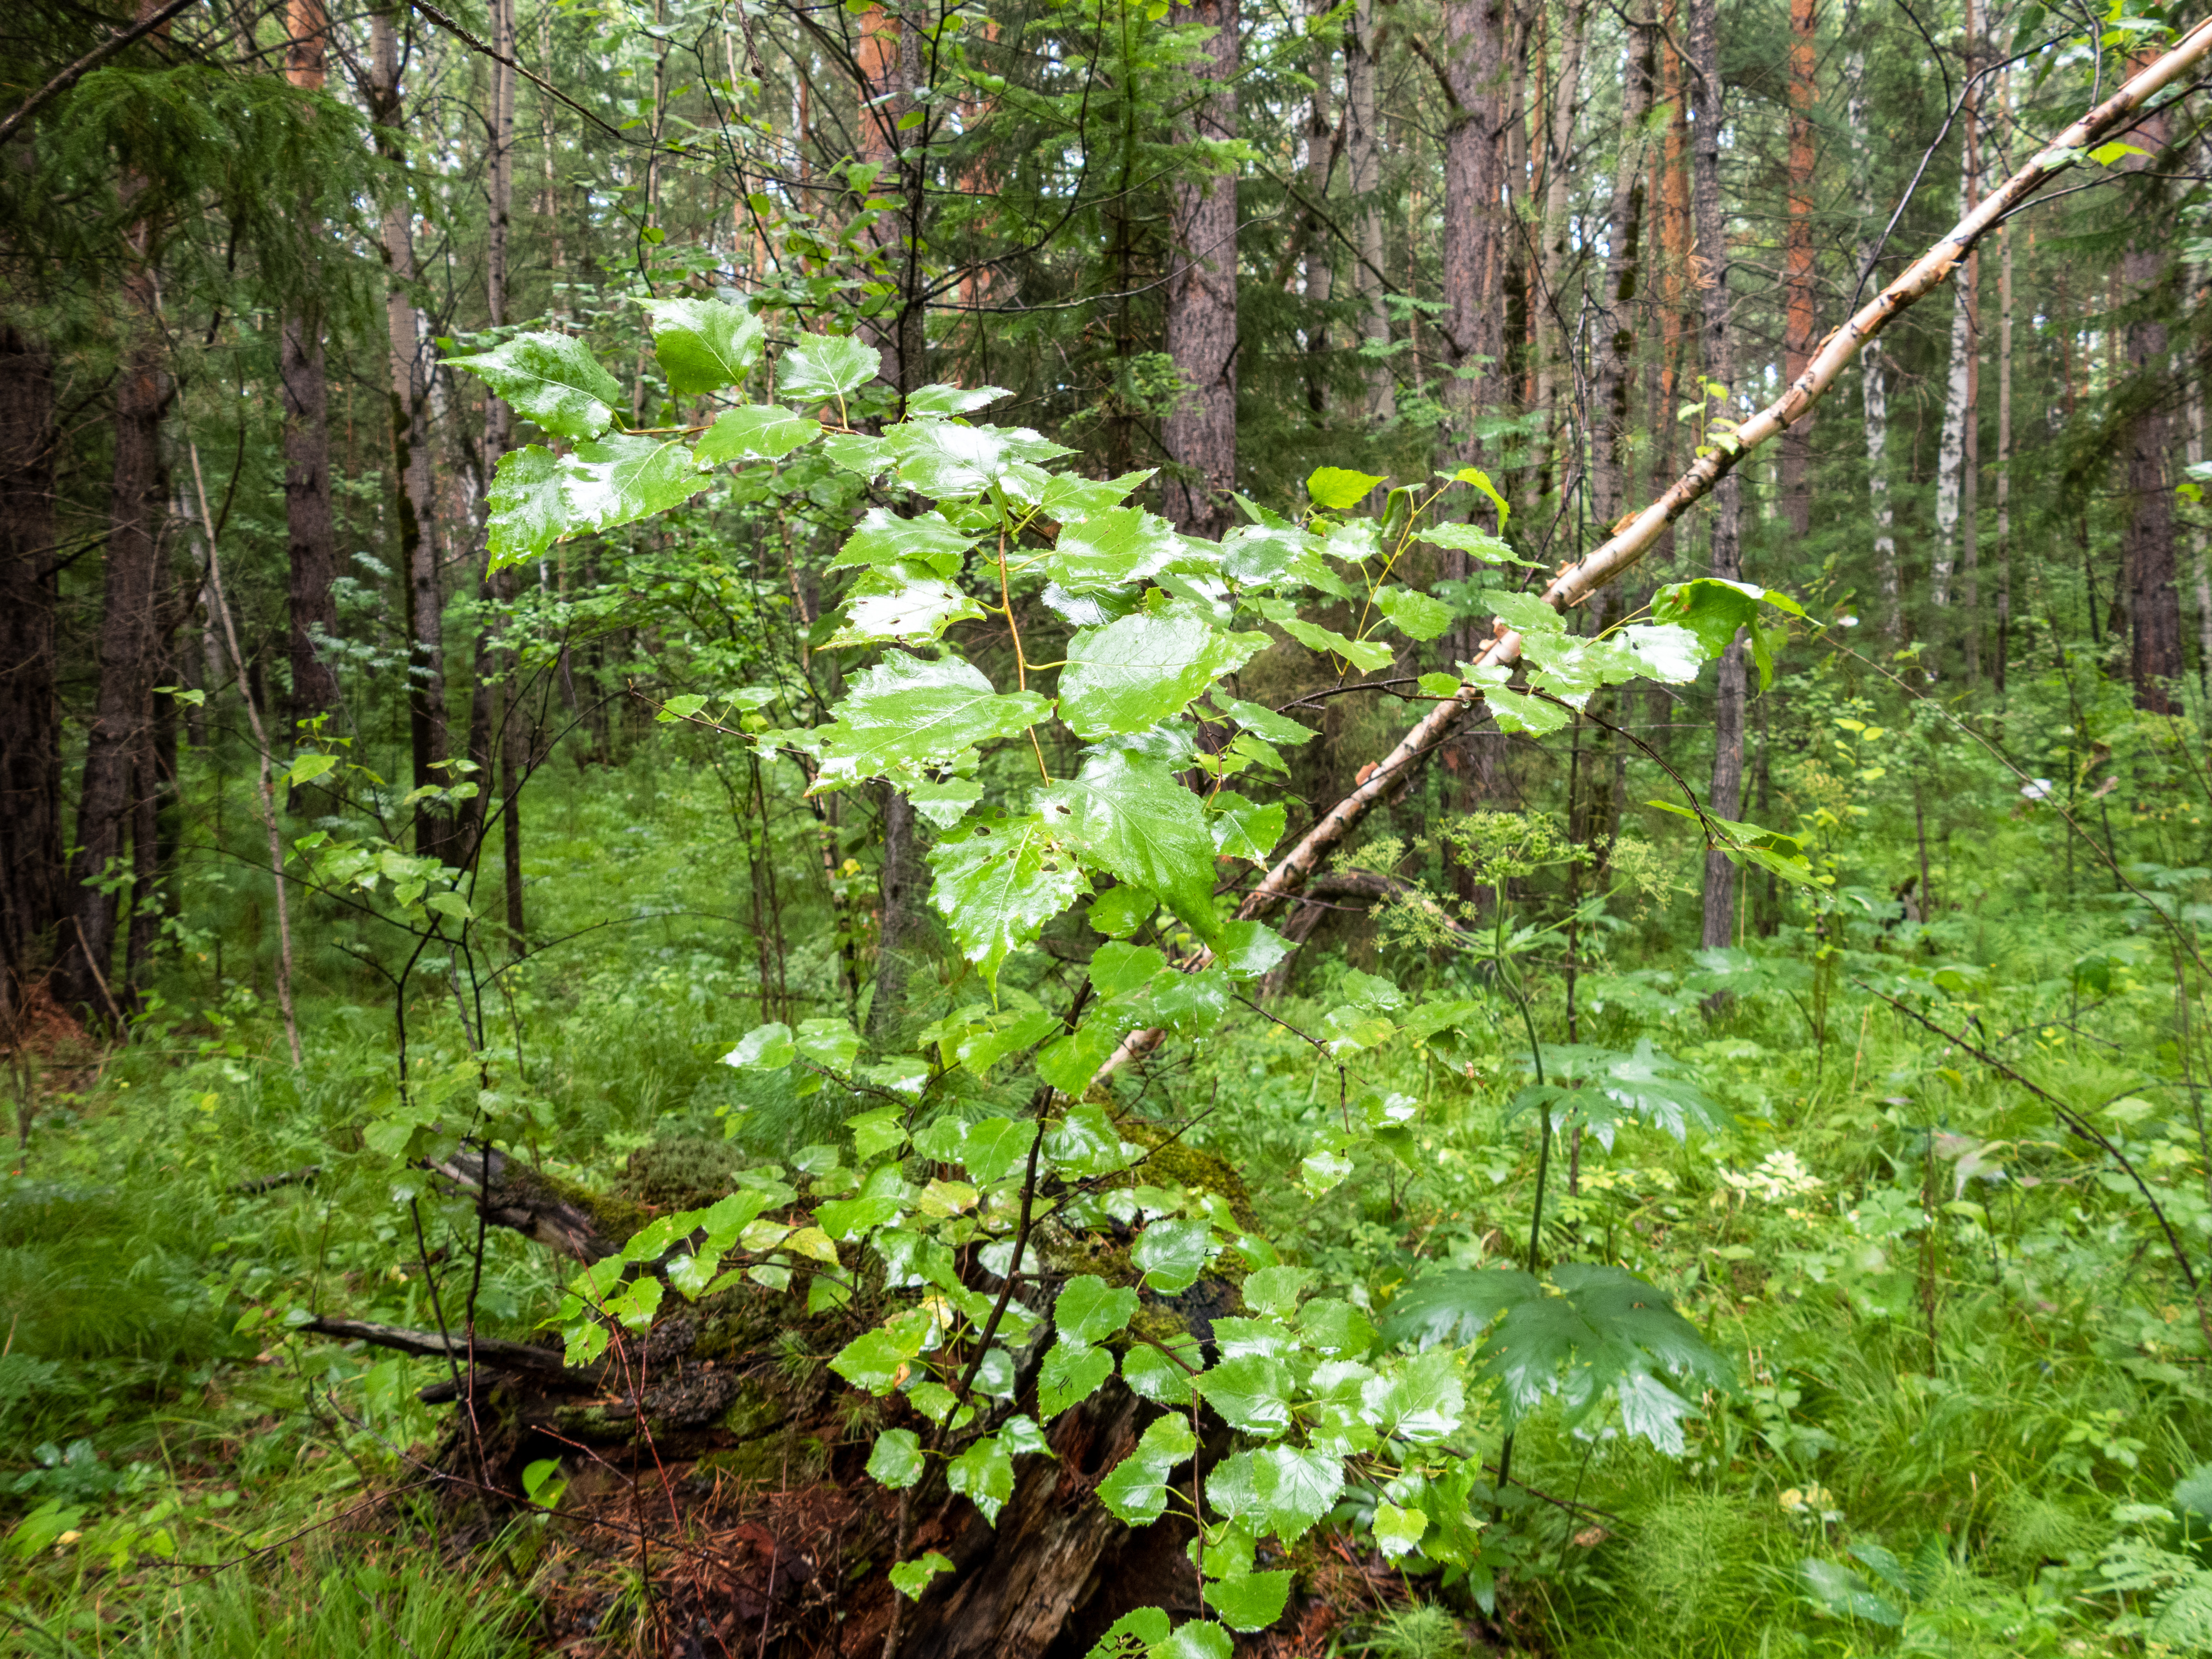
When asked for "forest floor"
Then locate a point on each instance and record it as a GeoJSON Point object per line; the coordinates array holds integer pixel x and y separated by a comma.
{"type": "Point", "coordinates": [1970, 1416]}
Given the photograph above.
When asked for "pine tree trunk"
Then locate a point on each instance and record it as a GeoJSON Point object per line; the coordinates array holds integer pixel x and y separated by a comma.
{"type": "Point", "coordinates": [1201, 434]}
{"type": "Point", "coordinates": [1724, 796]}
{"type": "Point", "coordinates": [889, 60]}
{"type": "Point", "coordinates": [1797, 340]}
{"type": "Point", "coordinates": [311, 531]}
{"type": "Point", "coordinates": [31, 867]}
{"type": "Point", "coordinates": [1623, 276]}
{"type": "Point", "coordinates": [411, 446]}
{"type": "Point", "coordinates": [1319, 252]}
{"type": "Point", "coordinates": [1364, 146]}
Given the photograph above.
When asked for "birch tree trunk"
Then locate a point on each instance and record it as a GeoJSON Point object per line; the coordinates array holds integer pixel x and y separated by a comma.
{"type": "Point", "coordinates": [311, 531]}
{"type": "Point", "coordinates": [1873, 388]}
{"type": "Point", "coordinates": [1952, 463]}
{"type": "Point", "coordinates": [1724, 795]}
{"type": "Point", "coordinates": [1363, 149]}
{"type": "Point", "coordinates": [1201, 434]}
{"type": "Point", "coordinates": [410, 445]}
{"type": "Point", "coordinates": [1797, 269]}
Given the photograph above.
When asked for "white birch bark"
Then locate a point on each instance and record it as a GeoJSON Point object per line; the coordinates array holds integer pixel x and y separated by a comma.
{"type": "Point", "coordinates": [1874, 371]}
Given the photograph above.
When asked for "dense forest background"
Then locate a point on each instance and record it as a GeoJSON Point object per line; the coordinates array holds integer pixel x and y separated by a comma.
{"type": "Point", "coordinates": [466, 868]}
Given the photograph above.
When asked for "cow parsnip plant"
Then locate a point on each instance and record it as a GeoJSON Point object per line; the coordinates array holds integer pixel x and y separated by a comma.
{"type": "Point", "coordinates": [968, 1218]}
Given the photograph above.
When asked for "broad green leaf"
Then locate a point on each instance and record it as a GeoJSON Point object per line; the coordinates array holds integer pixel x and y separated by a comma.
{"type": "Point", "coordinates": [1424, 1401]}
{"type": "Point", "coordinates": [1259, 557]}
{"type": "Point", "coordinates": [1085, 1142]}
{"type": "Point", "coordinates": [1264, 722]}
{"type": "Point", "coordinates": [756, 432]}
{"type": "Point", "coordinates": [1480, 480]}
{"type": "Point", "coordinates": [1467, 540]}
{"type": "Point", "coordinates": [1713, 609]}
{"type": "Point", "coordinates": [831, 1043]}
{"type": "Point", "coordinates": [1398, 1532]}
{"type": "Point", "coordinates": [1118, 968]}
{"type": "Point", "coordinates": [825, 366]}
{"type": "Point", "coordinates": [1159, 1377]}
{"type": "Point", "coordinates": [1267, 1338]}
{"type": "Point", "coordinates": [1171, 1254]}
{"type": "Point", "coordinates": [550, 379]}
{"type": "Point", "coordinates": [1337, 490]}
{"type": "Point", "coordinates": [1605, 1085]}
{"type": "Point", "coordinates": [704, 345]}
{"type": "Point", "coordinates": [1120, 911]}
{"type": "Point", "coordinates": [998, 881]}
{"type": "Point", "coordinates": [1132, 674]}
{"type": "Point", "coordinates": [764, 1049]}
{"type": "Point", "coordinates": [946, 461]}
{"type": "Point", "coordinates": [1069, 1376]}
{"type": "Point", "coordinates": [1334, 1327]}
{"type": "Point", "coordinates": [1275, 1291]}
{"type": "Point", "coordinates": [1131, 816]}
{"type": "Point", "coordinates": [1090, 1310]}
{"type": "Point", "coordinates": [1747, 843]}
{"type": "Point", "coordinates": [1414, 613]}
{"type": "Point", "coordinates": [1248, 949]}
{"type": "Point", "coordinates": [874, 1359]}
{"type": "Point", "coordinates": [943, 400]}
{"type": "Point", "coordinates": [1667, 652]}
{"type": "Point", "coordinates": [1002, 1035]}
{"type": "Point", "coordinates": [1191, 1004]}
{"type": "Point", "coordinates": [1840, 1591]}
{"type": "Point", "coordinates": [1136, 1490]}
{"type": "Point", "coordinates": [878, 1132]}
{"type": "Point", "coordinates": [1132, 1635]}
{"type": "Point", "coordinates": [529, 506]}
{"type": "Point", "coordinates": [882, 537]}
{"type": "Point", "coordinates": [1197, 1640]}
{"type": "Point", "coordinates": [911, 1578]}
{"type": "Point", "coordinates": [1366, 656]}
{"type": "Point", "coordinates": [904, 602]}
{"type": "Point", "coordinates": [906, 714]}
{"type": "Point", "coordinates": [946, 803]}
{"type": "Point", "coordinates": [1514, 713]}
{"type": "Point", "coordinates": [1296, 1487]}
{"type": "Point", "coordinates": [995, 1147]}
{"type": "Point", "coordinates": [896, 1461]}
{"type": "Point", "coordinates": [860, 452]}
{"type": "Point", "coordinates": [1251, 1601]}
{"type": "Point", "coordinates": [625, 478]}
{"type": "Point", "coordinates": [1111, 549]}
{"type": "Point", "coordinates": [1244, 830]}
{"type": "Point", "coordinates": [1252, 1392]}
{"type": "Point", "coordinates": [984, 1475]}
{"type": "Point", "coordinates": [1068, 1063]}
{"type": "Point", "coordinates": [849, 1217]}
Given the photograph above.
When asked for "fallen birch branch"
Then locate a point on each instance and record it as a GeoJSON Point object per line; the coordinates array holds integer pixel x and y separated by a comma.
{"type": "Point", "coordinates": [1632, 539]}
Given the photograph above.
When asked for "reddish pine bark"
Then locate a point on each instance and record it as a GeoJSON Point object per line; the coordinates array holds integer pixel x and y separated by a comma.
{"type": "Point", "coordinates": [1201, 434]}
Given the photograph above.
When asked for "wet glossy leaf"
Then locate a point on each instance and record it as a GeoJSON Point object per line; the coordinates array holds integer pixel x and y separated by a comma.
{"type": "Point", "coordinates": [704, 345]}
{"type": "Point", "coordinates": [825, 366]}
{"type": "Point", "coordinates": [550, 379]}
{"type": "Point", "coordinates": [756, 431]}
{"type": "Point", "coordinates": [998, 881]}
{"type": "Point", "coordinates": [1133, 673]}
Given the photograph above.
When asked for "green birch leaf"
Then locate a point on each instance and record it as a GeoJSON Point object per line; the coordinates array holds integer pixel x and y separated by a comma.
{"type": "Point", "coordinates": [1465, 538]}
{"type": "Point", "coordinates": [984, 1475]}
{"type": "Point", "coordinates": [896, 1461]}
{"type": "Point", "coordinates": [530, 508]}
{"type": "Point", "coordinates": [1085, 1142]}
{"type": "Point", "coordinates": [946, 461]}
{"type": "Point", "coordinates": [756, 431]}
{"type": "Point", "coordinates": [1337, 490]}
{"type": "Point", "coordinates": [1136, 1490]}
{"type": "Point", "coordinates": [1244, 830]}
{"type": "Point", "coordinates": [1197, 1640]}
{"type": "Point", "coordinates": [1069, 1376]}
{"type": "Point", "coordinates": [1171, 1254]}
{"type": "Point", "coordinates": [1132, 674]}
{"type": "Point", "coordinates": [906, 715]}
{"type": "Point", "coordinates": [1132, 1635]}
{"type": "Point", "coordinates": [858, 451]}
{"type": "Point", "coordinates": [1515, 712]}
{"type": "Point", "coordinates": [944, 400]}
{"type": "Point", "coordinates": [1090, 1310]}
{"type": "Point", "coordinates": [944, 804]}
{"type": "Point", "coordinates": [1274, 1291]}
{"type": "Point", "coordinates": [998, 881]}
{"type": "Point", "coordinates": [873, 1359]}
{"type": "Point", "coordinates": [1424, 1401]}
{"type": "Point", "coordinates": [1365, 655]}
{"type": "Point", "coordinates": [764, 1049]}
{"type": "Point", "coordinates": [1264, 722]}
{"type": "Point", "coordinates": [995, 1147]}
{"type": "Point", "coordinates": [1248, 948]}
{"type": "Point", "coordinates": [881, 537]}
{"type": "Point", "coordinates": [1398, 1532]}
{"type": "Point", "coordinates": [1131, 817]}
{"type": "Point", "coordinates": [911, 1578]}
{"type": "Point", "coordinates": [1251, 1601]}
{"type": "Point", "coordinates": [627, 477]}
{"type": "Point", "coordinates": [1414, 615]}
{"type": "Point", "coordinates": [825, 366]}
{"type": "Point", "coordinates": [1252, 1392]}
{"type": "Point", "coordinates": [1068, 1063]}
{"type": "Point", "coordinates": [704, 345]}
{"type": "Point", "coordinates": [550, 379]}
{"type": "Point", "coordinates": [904, 602]}
{"type": "Point", "coordinates": [1111, 549]}
{"type": "Point", "coordinates": [831, 1043]}
{"type": "Point", "coordinates": [1296, 1487]}
{"type": "Point", "coordinates": [1157, 1377]}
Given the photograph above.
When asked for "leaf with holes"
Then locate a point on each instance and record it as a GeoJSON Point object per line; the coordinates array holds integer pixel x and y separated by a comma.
{"type": "Point", "coordinates": [550, 379]}
{"type": "Point", "coordinates": [998, 881]}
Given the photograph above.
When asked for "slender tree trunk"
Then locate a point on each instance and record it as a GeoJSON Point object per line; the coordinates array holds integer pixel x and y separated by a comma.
{"type": "Point", "coordinates": [903, 932]}
{"type": "Point", "coordinates": [888, 59]}
{"type": "Point", "coordinates": [1797, 271]}
{"type": "Point", "coordinates": [1616, 365]}
{"type": "Point", "coordinates": [1547, 348]}
{"type": "Point", "coordinates": [2003, 525]}
{"type": "Point", "coordinates": [311, 531]}
{"type": "Point", "coordinates": [1959, 412]}
{"type": "Point", "coordinates": [2148, 551]}
{"type": "Point", "coordinates": [410, 445]}
{"type": "Point", "coordinates": [1201, 434]}
{"type": "Point", "coordinates": [1872, 359]}
{"type": "Point", "coordinates": [30, 866]}
{"type": "Point", "coordinates": [1364, 146]}
{"type": "Point", "coordinates": [1724, 796]}
{"type": "Point", "coordinates": [1319, 255]}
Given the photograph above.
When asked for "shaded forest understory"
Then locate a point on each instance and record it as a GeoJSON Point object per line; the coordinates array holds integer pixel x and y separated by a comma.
{"type": "Point", "coordinates": [1206, 830]}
